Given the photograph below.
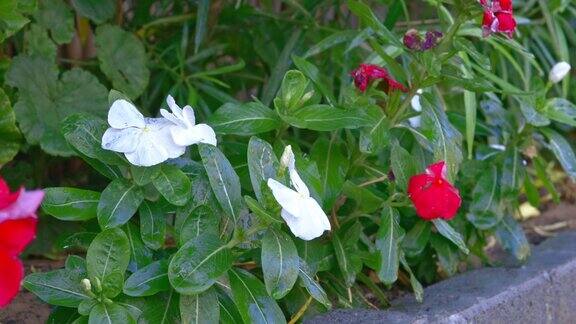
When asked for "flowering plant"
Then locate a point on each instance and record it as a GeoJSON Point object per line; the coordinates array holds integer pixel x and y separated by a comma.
{"type": "Point", "coordinates": [361, 155]}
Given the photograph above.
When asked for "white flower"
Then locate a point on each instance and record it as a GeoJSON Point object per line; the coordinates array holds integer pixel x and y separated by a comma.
{"type": "Point", "coordinates": [144, 141]}
{"type": "Point", "coordinates": [415, 103]}
{"type": "Point", "coordinates": [184, 131]}
{"type": "Point", "coordinates": [559, 72]}
{"type": "Point", "coordinates": [301, 212]}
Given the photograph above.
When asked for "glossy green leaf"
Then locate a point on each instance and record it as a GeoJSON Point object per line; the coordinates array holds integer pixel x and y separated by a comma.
{"type": "Point", "coordinates": [348, 260]}
{"type": "Point", "coordinates": [11, 18]}
{"type": "Point", "coordinates": [97, 10]}
{"type": "Point", "coordinates": [416, 285]}
{"type": "Point", "coordinates": [279, 263]}
{"type": "Point", "coordinates": [447, 254]}
{"type": "Point", "coordinates": [200, 308]}
{"type": "Point", "coordinates": [9, 134]}
{"type": "Point", "coordinates": [201, 23]}
{"type": "Point", "coordinates": [312, 286]}
{"type": "Point", "coordinates": [512, 174]}
{"type": "Point", "coordinates": [173, 184]}
{"type": "Point", "coordinates": [148, 280]}
{"type": "Point", "coordinates": [107, 260]}
{"type": "Point", "coordinates": [485, 210]}
{"type": "Point", "coordinates": [325, 118]}
{"type": "Point", "coordinates": [254, 303]}
{"type": "Point", "coordinates": [224, 181]}
{"type": "Point", "coordinates": [152, 224]}
{"type": "Point", "coordinates": [279, 74]}
{"type": "Point", "coordinates": [228, 311]}
{"type": "Point", "coordinates": [122, 59]}
{"type": "Point", "coordinates": [56, 16]}
{"type": "Point", "coordinates": [562, 150]}
{"type": "Point", "coordinates": [62, 315]}
{"type": "Point", "coordinates": [262, 164]}
{"type": "Point", "coordinates": [144, 175]}
{"type": "Point", "coordinates": [140, 254]}
{"type": "Point", "coordinates": [403, 165]}
{"type": "Point", "coordinates": [416, 239]}
{"type": "Point", "coordinates": [388, 240]}
{"type": "Point", "coordinates": [259, 211]}
{"type": "Point", "coordinates": [366, 200]}
{"type": "Point", "coordinates": [118, 203]}
{"type": "Point", "coordinates": [510, 234]}
{"type": "Point", "coordinates": [70, 204]}
{"type": "Point", "coordinates": [198, 263]}
{"type": "Point", "coordinates": [60, 287]}
{"type": "Point", "coordinates": [244, 119]}
{"type": "Point", "coordinates": [368, 17]}
{"type": "Point", "coordinates": [202, 220]}
{"type": "Point", "coordinates": [451, 234]}
{"type": "Point", "coordinates": [110, 313]}
{"type": "Point", "coordinates": [333, 166]}
{"type": "Point", "coordinates": [313, 73]}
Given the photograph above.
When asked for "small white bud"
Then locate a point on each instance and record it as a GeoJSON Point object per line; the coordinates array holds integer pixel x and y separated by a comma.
{"type": "Point", "coordinates": [287, 159]}
{"type": "Point", "coordinates": [86, 284]}
{"type": "Point", "coordinates": [559, 72]}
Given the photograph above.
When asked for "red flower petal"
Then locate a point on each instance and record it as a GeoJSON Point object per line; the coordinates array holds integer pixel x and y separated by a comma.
{"type": "Point", "coordinates": [15, 235]}
{"type": "Point", "coordinates": [367, 73]}
{"type": "Point", "coordinates": [11, 274]}
{"type": "Point", "coordinates": [6, 198]}
{"type": "Point", "coordinates": [506, 23]}
{"type": "Point", "coordinates": [432, 195]}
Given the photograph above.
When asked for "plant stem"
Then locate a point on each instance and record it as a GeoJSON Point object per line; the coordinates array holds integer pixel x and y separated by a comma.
{"type": "Point", "coordinates": [301, 311]}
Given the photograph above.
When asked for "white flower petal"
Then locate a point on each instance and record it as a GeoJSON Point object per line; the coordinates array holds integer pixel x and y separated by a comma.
{"type": "Point", "coordinates": [121, 140]}
{"type": "Point", "coordinates": [123, 114]}
{"type": "Point", "coordinates": [148, 152]}
{"type": "Point", "coordinates": [287, 159]}
{"type": "Point", "coordinates": [200, 133]}
{"type": "Point", "coordinates": [163, 139]}
{"type": "Point", "coordinates": [171, 117]}
{"type": "Point", "coordinates": [559, 72]}
{"type": "Point", "coordinates": [289, 199]}
{"type": "Point", "coordinates": [188, 116]}
{"type": "Point", "coordinates": [173, 106]}
{"type": "Point", "coordinates": [310, 225]}
{"type": "Point", "coordinates": [298, 183]}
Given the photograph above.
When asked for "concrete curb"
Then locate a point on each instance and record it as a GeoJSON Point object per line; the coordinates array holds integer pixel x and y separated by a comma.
{"type": "Point", "coordinates": [541, 291]}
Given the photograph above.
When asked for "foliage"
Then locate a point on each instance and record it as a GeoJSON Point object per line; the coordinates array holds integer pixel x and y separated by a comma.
{"type": "Point", "coordinates": [201, 236]}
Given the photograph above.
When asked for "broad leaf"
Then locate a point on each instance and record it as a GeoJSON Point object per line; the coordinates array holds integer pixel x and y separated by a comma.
{"type": "Point", "coordinates": [403, 165]}
{"type": "Point", "coordinates": [110, 313]}
{"type": "Point", "coordinates": [173, 184]}
{"type": "Point", "coordinates": [9, 134]}
{"type": "Point", "coordinates": [561, 110]}
{"type": "Point", "coordinates": [97, 10]}
{"type": "Point", "coordinates": [198, 263]}
{"type": "Point", "coordinates": [450, 233]}
{"type": "Point", "coordinates": [388, 240]}
{"type": "Point", "coordinates": [107, 260]}
{"type": "Point", "coordinates": [447, 253]}
{"type": "Point", "coordinates": [144, 175]}
{"type": "Point", "coordinates": [262, 164]}
{"type": "Point", "coordinates": [122, 59]}
{"type": "Point", "coordinates": [60, 287]}
{"type": "Point", "coordinates": [313, 287]}
{"type": "Point", "coordinates": [511, 235]}
{"type": "Point", "coordinates": [416, 239]}
{"type": "Point", "coordinates": [149, 280]}
{"type": "Point", "coordinates": [118, 203]}
{"type": "Point", "coordinates": [244, 119]}
{"type": "Point", "coordinates": [485, 210]}
{"type": "Point", "coordinates": [333, 166]}
{"type": "Point", "coordinates": [254, 303]}
{"type": "Point", "coordinates": [152, 224]}
{"type": "Point", "coordinates": [202, 220]}
{"type": "Point", "coordinates": [563, 151]}
{"type": "Point", "coordinates": [200, 308]}
{"type": "Point", "coordinates": [70, 204]}
{"type": "Point", "coordinates": [325, 118]}
{"type": "Point", "coordinates": [140, 255]}
{"type": "Point", "coordinates": [56, 16]}
{"type": "Point", "coordinates": [279, 263]}
{"type": "Point", "coordinates": [347, 256]}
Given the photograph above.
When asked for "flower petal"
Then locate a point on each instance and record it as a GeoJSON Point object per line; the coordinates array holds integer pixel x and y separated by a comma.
{"type": "Point", "coordinates": [6, 197]}
{"type": "Point", "coordinates": [200, 133]}
{"type": "Point", "coordinates": [173, 106]}
{"type": "Point", "coordinates": [171, 117]}
{"type": "Point", "coordinates": [15, 235]}
{"type": "Point", "coordinates": [11, 275]}
{"type": "Point", "coordinates": [297, 182]}
{"type": "Point", "coordinates": [24, 207]}
{"type": "Point", "coordinates": [123, 114]}
{"type": "Point", "coordinates": [121, 140]}
{"type": "Point", "coordinates": [289, 199]}
{"type": "Point", "coordinates": [188, 115]}
{"type": "Point", "coordinates": [310, 225]}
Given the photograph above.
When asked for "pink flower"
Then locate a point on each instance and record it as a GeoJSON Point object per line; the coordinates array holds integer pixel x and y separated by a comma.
{"type": "Point", "coordinates": [432, 194]}
{"type": "Point", "coordinates": [366, 73]}
{"type": "Point", "coordinates": [17, 230]}
{"type": "Point", "coordinates": [498, 17]}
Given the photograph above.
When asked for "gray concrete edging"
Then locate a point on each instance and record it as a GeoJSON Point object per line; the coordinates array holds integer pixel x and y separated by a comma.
{"type": "Point", "coordinates": [541, 291]}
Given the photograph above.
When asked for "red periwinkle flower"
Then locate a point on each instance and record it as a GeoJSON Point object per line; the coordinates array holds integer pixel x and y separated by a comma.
{"type": "Point", "coordinates": [432, 194]}
{"type": "Point", "coordinates": [498, 17]}
{"type": "Point", "coordinates": [17, 230]}
{"type": "Point", "coordinates": [367, 73]}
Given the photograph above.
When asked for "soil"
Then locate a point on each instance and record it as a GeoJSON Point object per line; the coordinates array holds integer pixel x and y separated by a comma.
{"type": "Point", "coordinates": [28, 309]}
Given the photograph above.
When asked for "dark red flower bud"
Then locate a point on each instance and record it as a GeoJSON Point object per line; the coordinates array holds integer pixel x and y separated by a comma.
{"type": "Point", "coordinates": [412, 40]}
{"type": "Point", "coordinates": [366, 73]}
{"type": "Point", "coordinates": [432, 39]}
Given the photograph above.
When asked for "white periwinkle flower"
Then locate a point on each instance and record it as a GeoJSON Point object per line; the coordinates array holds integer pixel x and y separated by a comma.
{"type": "Point", "coordinates": [301, 212]}
{"type": "Point", "coordinates": [559, 72]}
{"type": "Point", "coordinates": [144, 141]}
{"type": "Point", "coordinates": [185, 131]}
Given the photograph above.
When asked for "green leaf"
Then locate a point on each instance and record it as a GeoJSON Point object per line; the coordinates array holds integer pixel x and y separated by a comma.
{"type": "Point", "coordinates": [416, 285]}
{"type": "Point", "coordinates": [561, 110]}
{"type": "Point", "coordinates": [118, 203]}
{"type": "Point", "coordinates": [148, 280]}
{"type": "Point", "coordinates": [294, 93]}
{"type": "Point", "coordinates": [403, 165]}
{"type": "Point", "coordinates": [201, 22]}
{"type": "Point", "coordinates": [562, 150]}
{"type": "Point", "coordinates": [202, 220]}
{"type": "Point", "coordinates": [244, 119]}
{"type": "Point", "coordinates": [254, 304]}
{"type": "Point", "coordinates": [262, 164]}
{"type": "Point", "coordinates": [140, 255]}
{"type": "Point", "coordinates": [173, 184]}
{"type": "Point", "coordinates": [313, 287]}
{"type": "Point", "coordinates": [388, 240]}
{"type": "Point", "coordinates": [56, 16]}
{"type": "Point", "coordinates": [70, 204]}
{"type": "Point", "coordinates": [152, 224]}
{"type": "Point", "coordinates": [366, 15]}
{"type": "Point", "coordinates": [161, 308]}
{"type": "Point", "coordinates": [348, 260]}
{"type": "Point", "coordinates": [84, 133]}
{"type": "Point", "coordinates": [325, 118]}
{"type": "Point", "coordinates": [447, 254]}
{"type": "Point", "coordinates": [122, 59]}
{"type": "Point", "coordinates": [330, 41]}
{"type": "Point", "coordinates": [228, 311]}
{"type": "Point", "coordinates": [333, 166]}
{"type": "Point", "coordinates": [365, 199]}
{"type": "Point", "coordinates": [279, 263]}
{"type": "Point", "coordinates": [62, 315]}
{"type": "Point", "coordinates": [11, 18]}
{"type": "Point", "coordinates": [97, 10]}
{"type": "Point", "coordinates": [60, 287]}
{"type": "Point", "coordinates": [198, 263]}
{"type": "Point", "coordinates": [110, 313]}
{"type": "Point", "coordinates": [279, 70]}
{"type": "Point", "coordinates": [224, 181]}
{"type": "Point", "coordinates": [37, 42]}
{"type": "Point", "coordinates": [446, 140]}
{"type": "Point", "coordinates": [107, 260]}
{"type": "Point", "coordinates": [9, 134]}
{"type": "Point", "coordinates": [313, 73]}
{"type": "Point", "coordinates": [200, 308]}
{"type": "Point", "coordinates": [44, 100]}
{"type": "Point", "coordinates": [512, 174]}
{"type": "Point", "coordinates": [416, 239]}
{"type": "Point", "coordinates": [264, 216]}
{"type": "Point", "coordinates": [485, 211]}
{"type": "Point", "coordinates": [144, 175]}
{"type": "Point", "coordinates": [512, 237]}
{"type": "Point", "coordinates": [450, 233]}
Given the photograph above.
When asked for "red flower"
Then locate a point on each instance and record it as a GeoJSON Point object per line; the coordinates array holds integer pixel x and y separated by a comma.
{"type": "Point", "coordinates": [498, 17]}
{"type": "Point", "coordinates": [432, 194]}
{"type": "Point", "coordinates": [367, 73]}
{"type": "Point", "coordinates": [17, 230]}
